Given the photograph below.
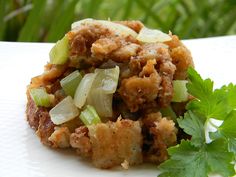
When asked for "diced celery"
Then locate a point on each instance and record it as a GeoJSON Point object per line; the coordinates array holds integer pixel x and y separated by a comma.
{"type": "Point", "coordinates": [40, 97]}
{"type": "Point", "coordinates": [60, 51]}
{"type": "Point", "coordinates": [168, 112]}
{"type": "Point", "coordinates": [71, 82]}
{"type": "Point", "coordinates": [64, 111]}
{"type": "Point", "coordinates": [89, 116]}
{"type": "Point", "coordinates": [107, 79]}
{"type": "Point", "coordinates": [180, 91]}
{"type": "Point", "coordinates": [83, 89]}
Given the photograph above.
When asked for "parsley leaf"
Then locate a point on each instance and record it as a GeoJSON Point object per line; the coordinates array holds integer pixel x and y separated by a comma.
{"type": "Point", "coordinates": [185, 160]}
{"type": "Point", "coordinates": [198, 87]}
{"type": "Point", "coordinates": [232, 145]}
{"type": "Point", "coordinates": [190, 161]}
{"type": "Point", "coordinates": [227, 131]}
{"type": "Point", "coordinates": [228, 127]}
{"type": "Point", "coordinates": [230, 90]}
{"type": "Point", "coordinates": [212, 104]}
{"type": "Point", "coordinates": [219, 158]}
{"type": "Point", "coordinates": [231, 141]}
{"type": "Point", "coordinates": [194, 126]}
{"type": "Point", "coordinates": [196, 157]}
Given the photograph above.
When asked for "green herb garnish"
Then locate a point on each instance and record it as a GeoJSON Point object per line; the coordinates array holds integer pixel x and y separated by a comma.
{"type": "Point", "coordinates": [200, 157]}
{"type": "Point", "coordinates": [89, 116]}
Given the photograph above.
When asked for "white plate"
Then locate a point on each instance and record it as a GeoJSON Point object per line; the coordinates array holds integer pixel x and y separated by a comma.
{"type": "Point", "coordinates": [21, 153]}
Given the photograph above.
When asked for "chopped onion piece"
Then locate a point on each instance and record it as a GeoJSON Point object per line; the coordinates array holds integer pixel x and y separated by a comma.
{"type": "Point", "coordinates": [64, 111]}
{"type": "Point", "coordinates": [60, 51]}
{"type": "Point", "coordinates": [71, 82]}
{"type": "Point", "coordinates": [107, 79]}
{"type": "Point", "coordinates": [89, 116]}
{"type": "Point", "coordinates": [101, 93]}
{"type": "Point", "coordinates": [83, 89]}
{"type": "Point", "coordinates": [82, 22]}
{"type": "Point", "coordinates": [152, 36]}
{"type": "Point", "coordinates": [101, 101]}
{"type": "Point", "coordinates": [180, 91]}
{"type": "Point", "coordinates": [40, 97]}
{"type": "Point", "coordinates": [119, 29]}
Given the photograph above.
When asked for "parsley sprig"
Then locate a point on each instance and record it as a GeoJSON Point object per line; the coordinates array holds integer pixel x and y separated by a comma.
{"type": "Point", "coordinates": [200, 157]}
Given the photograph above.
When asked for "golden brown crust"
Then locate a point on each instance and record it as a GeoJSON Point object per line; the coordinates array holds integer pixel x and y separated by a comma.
{"type": "Point", "coordinates": [109, 144]}
{"type": "Point", "coordinates": [112, 143]}
{"type": "Point", "coordinates": [152, 82]}
{"type": "Point", "coordinates": [138, 91]}
{"type": "Point", "coordinates": [32, 114]}
{"type": "Point", "coordinates": [181, 57]}
{"type": "Point", "coordinates": [60, 138]}
{"type": "Point", "coordinates": [159, 134]}
{"type": "Point", "coordinates": [81, 142]}
{"type": "Point", "coordinates": [45, 128]}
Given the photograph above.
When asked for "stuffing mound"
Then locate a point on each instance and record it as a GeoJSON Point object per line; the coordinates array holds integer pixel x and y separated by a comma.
{"type": "Point", "coordinates": [123, 115]}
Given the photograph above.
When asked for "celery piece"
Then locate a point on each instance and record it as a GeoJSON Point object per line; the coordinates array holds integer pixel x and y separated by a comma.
{"type": "Point", "coordinates": [83, 89]}
{"type": "Point", "coordinates": [89, 116]}
{"type": "Point", "coordinates": [71, 82]}
{"type": "Point", "coordinates": [64, 111]}
{"type": "Point", "coordinates": [180, 91]}
{"type": "Point", "coordinates": [60, 51]}
{"type": "Point", "coordinates": [168, 112]}
{"type": "Point", "coordinates": [40, 97]}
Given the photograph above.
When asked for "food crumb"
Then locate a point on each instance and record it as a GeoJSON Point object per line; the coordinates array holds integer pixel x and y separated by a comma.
{"type": "Point", "coordinates": [125, 164]}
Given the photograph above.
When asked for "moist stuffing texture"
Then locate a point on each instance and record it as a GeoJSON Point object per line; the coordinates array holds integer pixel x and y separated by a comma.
{"type": "Point", "coordinates": [137, 132]}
